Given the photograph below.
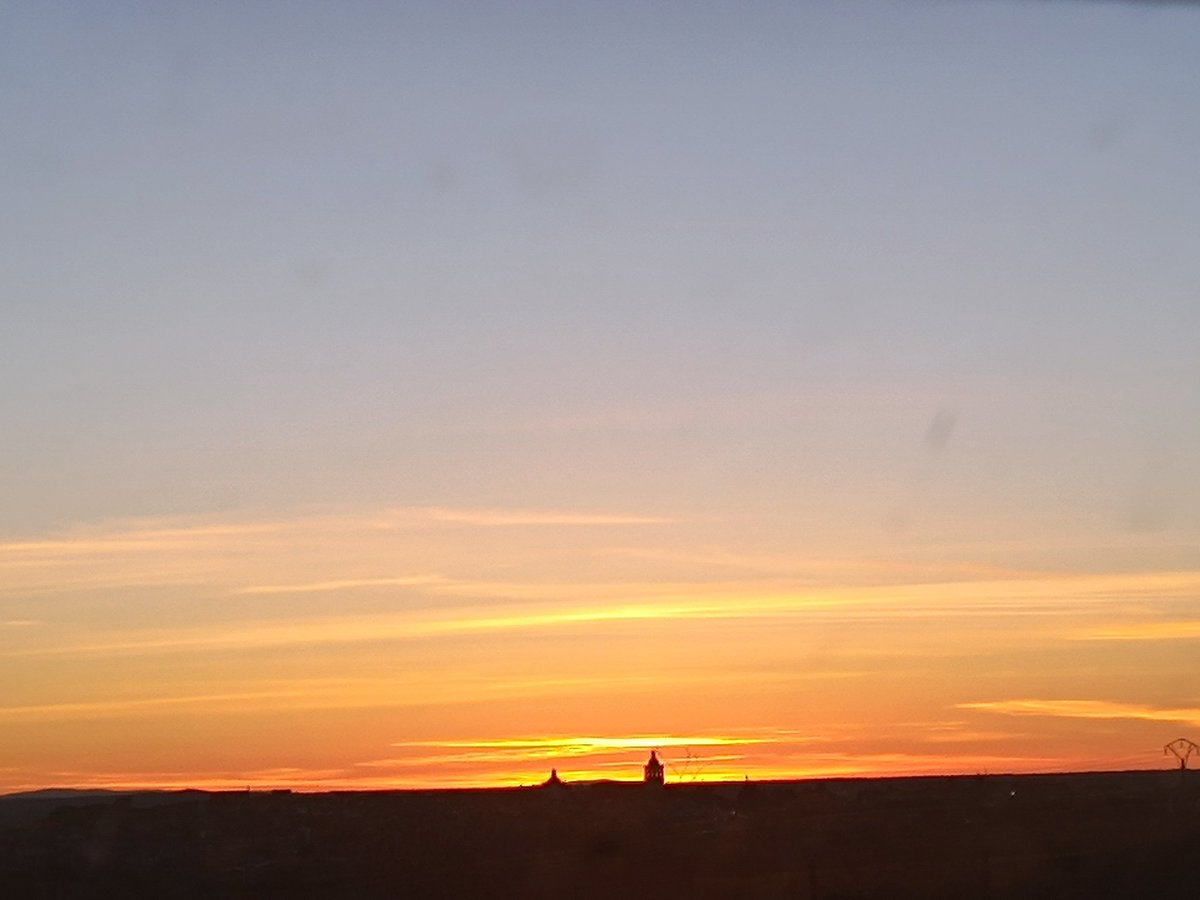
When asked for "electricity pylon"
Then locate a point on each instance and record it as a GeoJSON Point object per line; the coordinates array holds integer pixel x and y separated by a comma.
{"type": "Point", "coordinates": [689, 769]}
{"type": "Point", "coordinates": [1182, 748]}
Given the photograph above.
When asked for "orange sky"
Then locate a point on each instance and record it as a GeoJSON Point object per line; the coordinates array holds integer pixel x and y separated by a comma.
{"type": "Point", "coordinates": [433, 646]}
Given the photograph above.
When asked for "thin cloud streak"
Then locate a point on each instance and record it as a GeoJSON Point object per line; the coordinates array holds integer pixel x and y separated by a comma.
{"type": "Point", "coordinates": [1142, 631]}
{"type": "Point", "coordinates": [358, 629]}
{"type": "Point", "coordinates": [781, 564]}
{"type": "Point", "coordinates": [91, 542]}
{"type": "Point", "coordinates": [493, 518]}
{"type": "Point", "coordinates": [1086, 709]}
{"type": "Point", "coordinates": [136, 536]}
{"type": "Point", "coordinates": [556, 748]}
{"type": "Point", "coordinates": [683, 602]}
{"type": "Point", "coordinates": [389, 692]}
{"type": "Point", "coordinates": [314, 587]}
{"type": "Point", "coordinates": [1051, 593]}
{"type": "Point", "coordinates": [589, 744]}
{"type": "Point", "coordinates": [143, 705]}
{"type": "Point", "coordinates": [231, 556]}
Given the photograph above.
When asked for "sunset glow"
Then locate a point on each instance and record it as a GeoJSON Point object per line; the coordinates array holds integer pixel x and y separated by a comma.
{"type": "Point", "coordinates": [311, 645]}
{"type": "Point", "coordinates": [415, 397]}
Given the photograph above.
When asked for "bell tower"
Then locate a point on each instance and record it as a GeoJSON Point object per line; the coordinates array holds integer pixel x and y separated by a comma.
{"type": "Point", "coordinates": [653, 769]}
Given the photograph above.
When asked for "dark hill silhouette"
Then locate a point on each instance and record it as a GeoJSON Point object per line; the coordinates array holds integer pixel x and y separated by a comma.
{"type": "Point", "coordinates": [1095, 836]}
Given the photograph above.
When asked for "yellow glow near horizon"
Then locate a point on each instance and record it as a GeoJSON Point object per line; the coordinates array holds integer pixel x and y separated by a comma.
{"type": "Point", "coordinates": [497, 657]}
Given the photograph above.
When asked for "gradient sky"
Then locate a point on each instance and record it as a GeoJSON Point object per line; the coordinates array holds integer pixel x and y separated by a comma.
{"type": "Point", "coordinates": [435, 393]}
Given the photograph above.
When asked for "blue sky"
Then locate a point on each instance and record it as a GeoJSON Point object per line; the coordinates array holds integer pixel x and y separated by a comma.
{"type": "Point", "coordinates": [347, 237]}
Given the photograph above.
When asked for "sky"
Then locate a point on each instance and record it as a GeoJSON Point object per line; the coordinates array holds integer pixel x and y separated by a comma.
{"type": "Point", "coordinates": [432, 394]}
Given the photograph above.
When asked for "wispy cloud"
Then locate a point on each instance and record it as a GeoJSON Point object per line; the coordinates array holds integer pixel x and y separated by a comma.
{"type": "Point", "coordinates": [245, 555]}
{"type": "Point", "coordinates": [510, 751]}
{"type": "Point", "coordinates": [1142, 631]}
{"type": "Point", "coordinates": [1087, 709]}
{"type": "Point", "coordinates": [584, 744]}
{"type": "Point", "coordinates": [356, 629]}
{"type": "Point", "coordinates": [536, 606]}
{"type": "Point", "coordinates": [856, 568]}
{"type": "Point", "coordinates": [491, 518]}
{"type": "Point", "coordinates": [94, 709]}
{"type": "Point", "coordinates": [439, 688]}
{"type": "Point", "coordinates": [313, 587]}
{"type": "Point", "coordinates": [425, 624]}
{"type": "Point", "coordinates": [125, 536]}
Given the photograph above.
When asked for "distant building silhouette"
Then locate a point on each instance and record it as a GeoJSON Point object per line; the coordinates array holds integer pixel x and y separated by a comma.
{"type": "Point", "coordinates": [553, 780]}
{"type": "Point", "coordinates": [653, 769]}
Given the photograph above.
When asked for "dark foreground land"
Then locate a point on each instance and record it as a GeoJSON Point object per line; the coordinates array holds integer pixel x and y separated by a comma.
{"type": "Point", "coordinates": [1132, 834]}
